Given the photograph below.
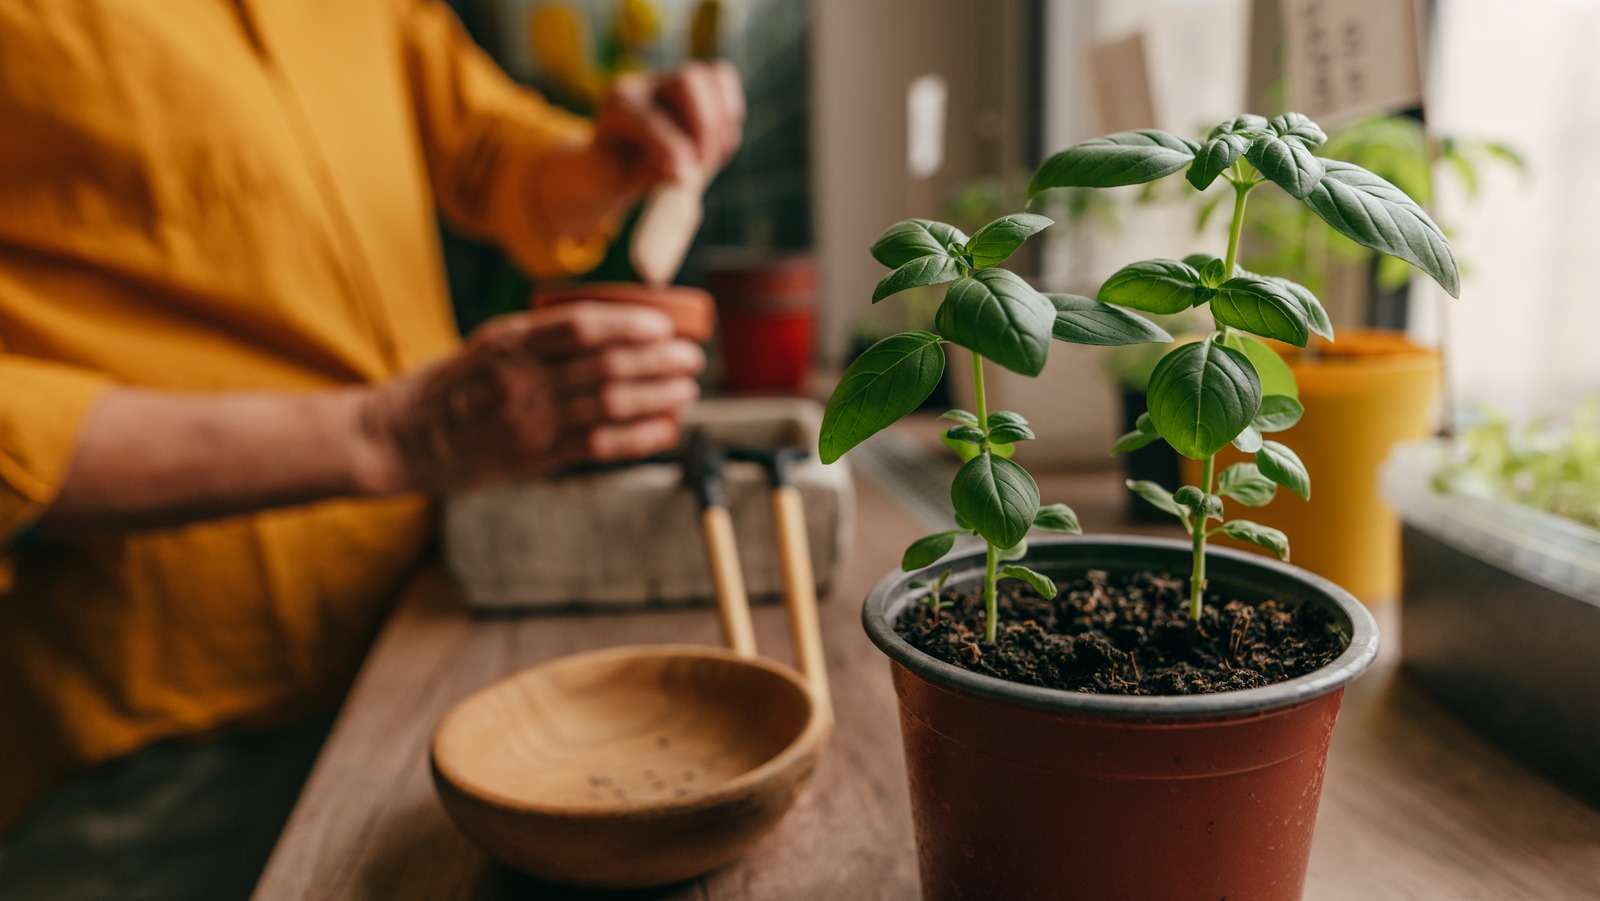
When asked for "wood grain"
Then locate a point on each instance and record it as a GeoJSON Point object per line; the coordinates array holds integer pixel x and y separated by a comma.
{"type": "Point", "coordinates": [727, 579]}
{"type": "Point", "coordinates": [800, 590]}
{"type": "Point", "coordinates": [632, 766]}
{"type": "Point", "coordinates": [1415, 807]}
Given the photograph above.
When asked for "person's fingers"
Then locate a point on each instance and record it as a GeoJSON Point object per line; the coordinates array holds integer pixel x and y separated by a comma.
{"type": "Point", "coordinates": [632, 440]}
{"type": "Point", "coordinates": [582, 327]}
{"type": "Point", "coordinates": [626, 401]}
{"type": "Point", "coordinates": [731, 89]}
{"type": "Point", "coordinates": [694, 95]}
{"type": "Point", "coordinates": [632, 115]}
{"type": "Point", "coordinates": [629, 362]}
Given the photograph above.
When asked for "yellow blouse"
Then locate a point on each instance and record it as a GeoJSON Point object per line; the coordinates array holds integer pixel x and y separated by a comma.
{"type": "Point", "coordinates": [212, 195]}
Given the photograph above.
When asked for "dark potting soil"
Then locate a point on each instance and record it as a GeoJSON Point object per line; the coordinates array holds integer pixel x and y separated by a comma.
{"type": "Point", "coordinates": [1126, 634]}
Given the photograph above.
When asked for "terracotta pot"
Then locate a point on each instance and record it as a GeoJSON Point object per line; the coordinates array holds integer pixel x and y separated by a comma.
{"type": "Point", "coordinates": [768, 309]}
{"type": "Point", "coordinates": [1363, 395]}
{"type": "Point", "coordinates": [1020, 791]}
{"type": "Point", "coordinates": [692, 311]}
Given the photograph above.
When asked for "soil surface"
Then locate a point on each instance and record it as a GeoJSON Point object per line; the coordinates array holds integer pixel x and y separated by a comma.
{"type": "Point", "coordinates": [1128, 634]}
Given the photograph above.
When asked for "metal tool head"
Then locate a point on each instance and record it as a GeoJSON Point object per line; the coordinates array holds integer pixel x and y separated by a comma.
{"type": "Point", "coordinates": [702, 469]}
{"type": "Point", "coordinates": [775, 460]}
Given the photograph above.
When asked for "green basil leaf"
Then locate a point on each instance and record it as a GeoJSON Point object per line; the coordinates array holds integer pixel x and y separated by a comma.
{"type": "Point", "coordinates": [1125, 158]}
{"type": "Point", "coordinates": [1005, 417]}
{"type": "Point", "coordinates": [1259, 535]}
{"type": "Point", "coordinates": [1277, 414]}
{"type": "Point", "coordinates": [992, 244]}
{"type": "Point", "coordinates": [928, 549]}
{"type": "Point", "coordinates": [1214, 158]}
{"type": "Point", "coordinates": [1283, 466]}
{"type": "Point", "coordinates": [1084, 320]}
{"type": "Point", "coordinates": [1374, 213]}
{"type": "Point", "coordinates": [1214, 273]}
{"type": "Point", "coordinates": [961, 416]}
{"type": "Point", "coordinates": [1275, 375]}
{"type": "Point", "coordinates": [965, 433]}
{"type": "Point", "coordinates": [1244, 483]}
{"type": "Point", "coordinates": [1188, 496]}
{"type": "Point", "coordinates": [892, 378]}
{"type": "Point", "coordinates": [1288, 164]}
{"type": "Point", "coordinates": [1201, 396]}
{"type": "Point", "coordinates": [1155, 286]}
{"type": "Point", "coordinates": [1017, 552]}
{"type": "Point", "coordinates": [1248, 441]}
{"type": "Point", "coordinates": [1261, 307]}
{"type": "Point", "coordinates": [912, 239]}
{"type": "Point", "coordinates": [1040, 582]}
{"type": "Point", "coordinates": [995, 313]}
{"type": "Point", "coordinates": [1295, 127]}
{"type": "Point", "coordinates": [1203, 506]}
{"type": "Point", "coordinates": [1057, 518]}
{"type": "Point", "coordinates": [1249, 125]}
{"type": "Point", "coordinates": [998, 497]}
{"type": "Point", "coordinates": [1144, 425]}
{"type": "Point", "coordinates": [1199, 503]}
{"type": "Point", "coordinates": [1132, 441]}
{"type": "Point", "coordinates": [1160, 498]}
{"type": "Point", "coordinates": [1316, 315]}
{"type": "Point", "coordinates": [966, 526]}
{"type": "Point", "coordinates": [928, 270]}
{"type": "Point", "coordinates": [1011, 434]}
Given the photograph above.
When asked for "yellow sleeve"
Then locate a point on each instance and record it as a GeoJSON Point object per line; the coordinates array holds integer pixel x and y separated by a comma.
{"type": "Point", "coordinates": [42, 409]}
{"type": "Point", "coordinates": [484, 138]}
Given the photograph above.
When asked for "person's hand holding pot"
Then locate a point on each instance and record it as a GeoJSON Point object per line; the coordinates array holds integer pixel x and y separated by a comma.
{"type": "Point", "coordinates": [531, 394]}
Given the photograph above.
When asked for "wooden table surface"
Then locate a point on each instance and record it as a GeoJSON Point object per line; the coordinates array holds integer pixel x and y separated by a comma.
{"type": "Point", "coordinates": [1415, 806]}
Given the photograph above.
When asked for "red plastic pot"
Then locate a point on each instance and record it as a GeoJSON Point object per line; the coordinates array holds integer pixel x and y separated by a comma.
{"type": "Point", "coordinates": [1020, 791]}
{"type": "Point", "coordinates": [767, 307]}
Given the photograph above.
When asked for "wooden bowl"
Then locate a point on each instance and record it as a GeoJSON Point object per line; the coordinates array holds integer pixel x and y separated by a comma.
{"type": "Point", "coordinates": [692, 310]}
{"type": "Point", "coordinates": [629, 767]}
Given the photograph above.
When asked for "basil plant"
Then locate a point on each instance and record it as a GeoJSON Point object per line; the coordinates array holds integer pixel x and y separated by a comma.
{"type": "Point", "coordinates": [996, 316]}
{"type": "Point", "coordinates": [1230, 387]}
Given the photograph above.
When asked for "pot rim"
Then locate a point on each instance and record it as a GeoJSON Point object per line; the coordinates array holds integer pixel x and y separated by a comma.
{"type": "Point", "coordinates": [889, 597]}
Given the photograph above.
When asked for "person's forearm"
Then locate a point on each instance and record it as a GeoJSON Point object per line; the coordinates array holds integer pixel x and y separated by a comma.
{"type": "Point", "coordinates": [149, 459]}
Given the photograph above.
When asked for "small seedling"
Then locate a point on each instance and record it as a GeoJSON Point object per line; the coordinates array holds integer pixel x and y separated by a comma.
{"type": "Point", "coordinates": [997, 315]}
{"type": "Point", "coordinates": [934, 599]}
{"type": "Point", "coordinates": [1230, 387]}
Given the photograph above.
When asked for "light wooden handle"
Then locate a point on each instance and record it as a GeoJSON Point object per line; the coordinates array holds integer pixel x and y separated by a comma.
{"type": "Point", "coordinates": [800, 591]}
{"type": "Point", "coordinates": [665, 228]}
{"type": "Point", "coordinates": [733, 606]}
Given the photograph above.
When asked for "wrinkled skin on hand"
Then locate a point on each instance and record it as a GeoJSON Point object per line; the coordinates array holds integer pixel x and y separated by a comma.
{"type": "Point", "coordinates": [533, 393]}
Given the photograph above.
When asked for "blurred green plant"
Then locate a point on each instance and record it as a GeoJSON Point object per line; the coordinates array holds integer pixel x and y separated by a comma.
{"type": "Point", "coordinates": [1548, 464]}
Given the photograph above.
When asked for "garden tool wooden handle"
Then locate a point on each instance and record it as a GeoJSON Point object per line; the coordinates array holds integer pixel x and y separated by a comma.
{"type": "Point", "coordinates": [800, 591]}
{"type": "Point", "coordinates": [666, 227]}
{"type": "Point", "coordinates": [733, 606]}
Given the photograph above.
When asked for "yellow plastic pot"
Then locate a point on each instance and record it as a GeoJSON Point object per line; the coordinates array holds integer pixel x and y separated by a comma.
{"type": "Point", "coordinates": [1362, 395]}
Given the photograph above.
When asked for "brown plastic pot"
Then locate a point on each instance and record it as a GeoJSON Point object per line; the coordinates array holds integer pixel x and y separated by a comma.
{"type": "Point", "coordinates": [1020, 791]}
{"type": "Point", "coordinates": [692, 310]}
